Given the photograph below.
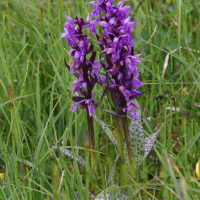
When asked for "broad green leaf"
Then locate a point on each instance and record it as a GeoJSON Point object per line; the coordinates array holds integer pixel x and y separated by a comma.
{"type": "Point", "coordinates": [106, 130]}
{"type": "Point", "coordinates": [137, 138]}
{"type": "Point", "coordinates": [70, 154]}
{"type": "Point", "coordinates": [112, 193]}
{"type": "Point", "coordinates": [113, 170]}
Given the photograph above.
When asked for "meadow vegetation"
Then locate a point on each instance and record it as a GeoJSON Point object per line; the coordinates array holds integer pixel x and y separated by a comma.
{"type": "Point", "coordinates": [32, 61]}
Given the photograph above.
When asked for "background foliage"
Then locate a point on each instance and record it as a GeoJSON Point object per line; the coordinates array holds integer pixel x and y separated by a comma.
{"type": "Point", "coordinates": [32, 61]}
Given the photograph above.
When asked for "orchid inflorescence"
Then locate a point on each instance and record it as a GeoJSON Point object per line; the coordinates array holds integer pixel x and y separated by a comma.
{"type": "Point", "coordinates": [119, 61]}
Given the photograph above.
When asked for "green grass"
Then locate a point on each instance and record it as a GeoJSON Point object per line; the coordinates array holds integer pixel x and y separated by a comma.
{"type": "Point", "coordinates": [41, 115]}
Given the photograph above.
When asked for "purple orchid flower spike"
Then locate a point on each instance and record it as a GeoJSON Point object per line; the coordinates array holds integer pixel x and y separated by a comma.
{"type": "Point", "coordinates": [116, 44]}
{"type": "Point", "coordinates": [86, 70]}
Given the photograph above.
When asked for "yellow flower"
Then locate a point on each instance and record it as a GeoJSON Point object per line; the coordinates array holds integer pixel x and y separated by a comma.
{"type": "Point", "coordinates": [2, 177]}
{"type": "Point", "coordinates": [198, 169]}
{"type": "Point", "coordinates": [169, 1]}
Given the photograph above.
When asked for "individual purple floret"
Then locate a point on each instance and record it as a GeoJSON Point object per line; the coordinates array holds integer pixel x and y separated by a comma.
{"type": "Point", "coordinates": [91, 24]}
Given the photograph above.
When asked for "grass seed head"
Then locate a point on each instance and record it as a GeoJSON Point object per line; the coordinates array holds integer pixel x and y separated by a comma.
{"type": "Point", "coordinates": [10, 92]}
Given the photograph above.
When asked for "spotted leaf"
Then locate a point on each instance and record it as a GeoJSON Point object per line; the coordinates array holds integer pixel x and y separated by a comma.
{"type": "Point", "coordinates": [70, 154]}
{"type": "Point", "coordinates": [111, 193]}
{"type": "Point", "coordinates": [106, 130]}
{"type": "Point", "coordinates": [113, 170]}
{"type": "Point", "coordinates": [137, 138]}
{"type": "Point", "coordinates": [149, 141]}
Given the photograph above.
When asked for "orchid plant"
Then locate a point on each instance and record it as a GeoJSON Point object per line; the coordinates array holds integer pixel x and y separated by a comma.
{"type": "Point", "coordinates": [120, 83]}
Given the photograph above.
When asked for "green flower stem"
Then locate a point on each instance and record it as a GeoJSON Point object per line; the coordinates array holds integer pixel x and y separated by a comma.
{"type": "Point", "coordinates": [93, 154]}
{"type": "Point", "coordinates": [87, 173]}
{"type": "Point", "coordinates": [120, 144]}
{"type": "Point", "coordinates": [130, 153]}
{"type": "Point", "coordinates": [92, 141]}
{"type": "Point", "coordinates": [129, 149]}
